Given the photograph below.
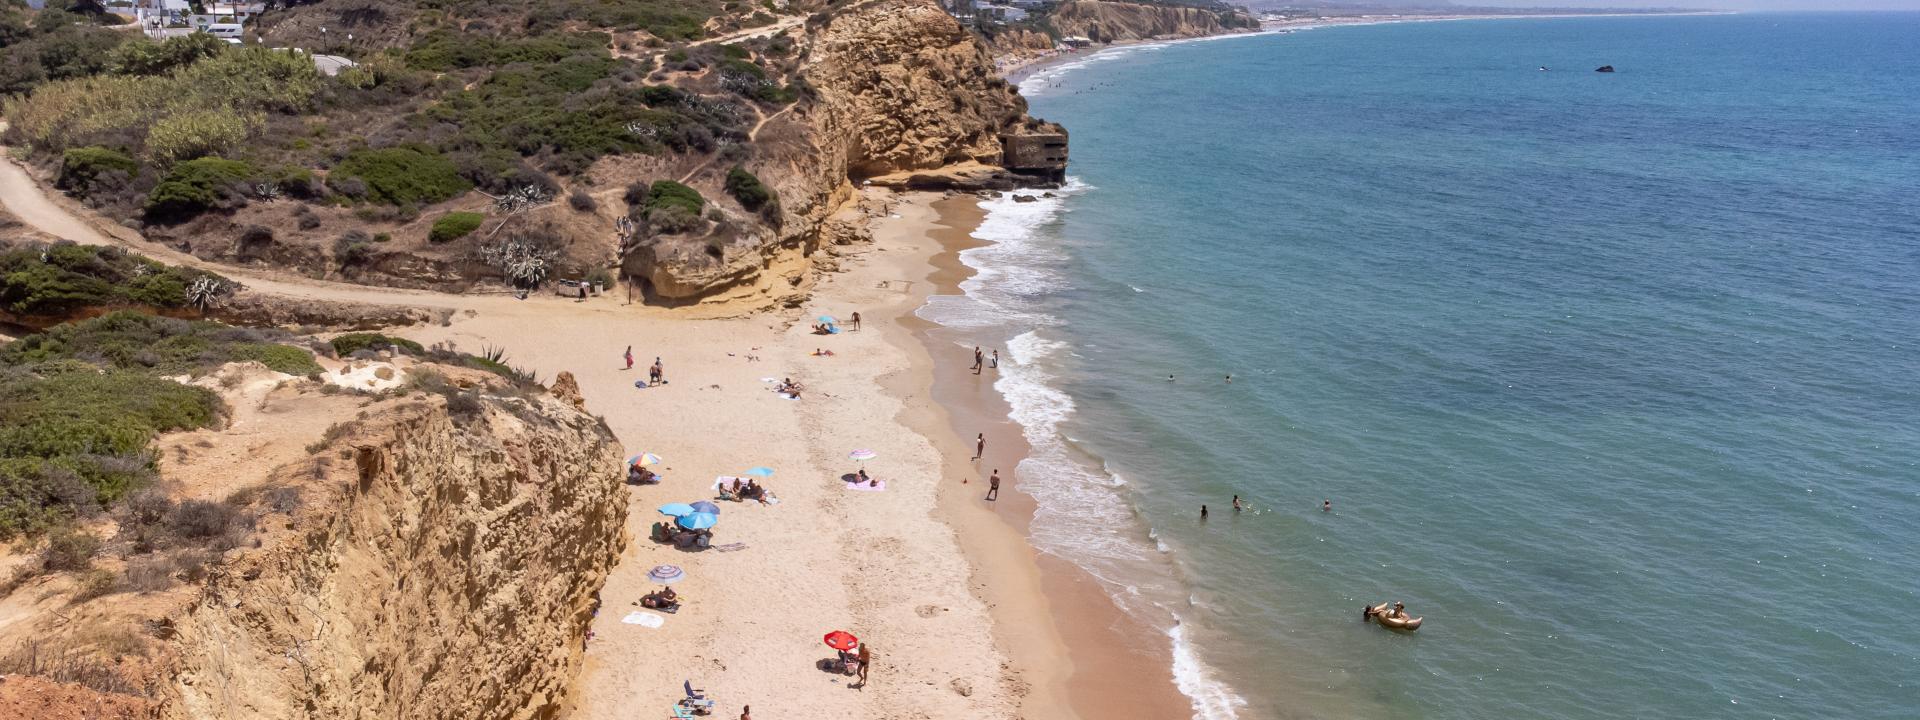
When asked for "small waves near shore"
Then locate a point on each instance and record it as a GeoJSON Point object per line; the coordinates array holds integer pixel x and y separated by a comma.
{"type": "Point", "coordinates": [1608, 375]}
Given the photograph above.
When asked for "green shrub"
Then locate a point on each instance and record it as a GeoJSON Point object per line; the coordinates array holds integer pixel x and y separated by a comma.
{"type": "Point", "coordinates": [195, 186]}
{"type": "Point", "coordinates": [351, 343]}
{"type": "Point", "coordinates": [747, 188]}
{"type": "Point", "coordinates": [195, 133]}
{"type": "Point", "coordinates": [454, 225]}
{"type": "Point", "coordinates": [243, 83]}
{"type": "Point", "coordinates": [279, 358]}
{"type": "Point", "coordinates": [134, 341]}
{"type": "Point", "coordinates": [56, 280]}
{"type": "Point", "coordinates": [404, 175]}
{"type": "Point", "coordinates": [72, 440]}
{"type": "Point", "coordinates": [145, 57]}
{"type": "Point", "coordinates": [667, 193]}
{"type": "Point", "coordinates": [81, 168]}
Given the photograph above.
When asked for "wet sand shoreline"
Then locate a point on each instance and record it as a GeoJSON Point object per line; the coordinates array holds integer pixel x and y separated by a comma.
{"type": "Point", "coordinates": [1102, 663]}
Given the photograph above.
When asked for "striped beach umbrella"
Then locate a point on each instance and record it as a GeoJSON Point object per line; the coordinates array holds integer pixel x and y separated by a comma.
{"type": "Point", "coordinates": [644, 459]}
{"type": "Point", "coordinates": [666, 574]}
{"type": "Point", "coordinates": [863, 454]}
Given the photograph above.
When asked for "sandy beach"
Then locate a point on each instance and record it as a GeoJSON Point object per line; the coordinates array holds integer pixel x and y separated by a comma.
{"type": "Point", "coordinates": [963, 618]}
{"type": "Point", "coordinates": [959, 612]}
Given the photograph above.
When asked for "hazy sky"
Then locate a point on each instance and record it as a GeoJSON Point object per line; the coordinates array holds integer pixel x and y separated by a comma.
{"type": "Point", "coordinates": [1726, 4]}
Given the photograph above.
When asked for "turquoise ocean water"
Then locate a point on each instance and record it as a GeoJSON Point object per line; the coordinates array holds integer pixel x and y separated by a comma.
{"type": "Point", "coordinates": [1614, 378]}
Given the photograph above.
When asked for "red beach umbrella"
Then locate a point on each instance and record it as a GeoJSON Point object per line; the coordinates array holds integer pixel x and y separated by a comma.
{"type": "Point", "coordinates": [842, 640]}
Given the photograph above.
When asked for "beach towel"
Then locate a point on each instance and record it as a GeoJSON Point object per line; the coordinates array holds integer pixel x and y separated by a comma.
{"type": "Point", "coordinates": [726, 480]}
{"type": "Point", "coordinates": [730, 547]}
{"type": "Point", "coordinates": [644, 619]}
{"type": "Point", "coordinates": [642, 384]}
{"type": "Point", "coordinates": [769, 379]}
{"type": "Point", "coordinates": [788, 396]}
{"type": "Point", "coordinates": [863, 487]}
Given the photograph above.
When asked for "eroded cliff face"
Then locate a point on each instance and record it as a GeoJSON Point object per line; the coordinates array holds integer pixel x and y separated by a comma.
{"type": "Point", "coordinates": [1106, 22]}
{"type": "Point", "coordinates": [899, 87]}
{"type": "Point", "coordinates": [448, 571]}
{"type": "Point", "coordinates": [904, 87]}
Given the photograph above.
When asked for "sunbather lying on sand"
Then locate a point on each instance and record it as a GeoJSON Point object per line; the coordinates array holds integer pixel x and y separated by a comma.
{"type": "Point", "coordinates": [666, 599]}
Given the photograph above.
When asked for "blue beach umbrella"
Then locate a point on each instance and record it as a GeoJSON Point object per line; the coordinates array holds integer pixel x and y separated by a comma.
{"type": "Point", "coordinates": [705, 507]}
{"type": "Point", "coordinates": [698, 521]}
{"type": "Point", "coordinates": [676, 509]}
{"type": "Point", "coordinates": [826, 319]}
{"type": "Point", "coordinates": [760, 472]}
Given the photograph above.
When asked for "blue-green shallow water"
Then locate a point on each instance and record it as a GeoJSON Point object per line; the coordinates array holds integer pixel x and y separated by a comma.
{"type": "Point", "coordinates": [1614, 378]}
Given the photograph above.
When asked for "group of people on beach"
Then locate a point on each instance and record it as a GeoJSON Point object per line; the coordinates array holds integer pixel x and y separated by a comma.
{"type": "Point", "coordinates": [739, 491]}
{"type": "Point", "coordinates": [981, 361]}
{"type": "Point", "coordinates": [656, 375]}
{"type": "Point", "coordinates": [1325, 506]}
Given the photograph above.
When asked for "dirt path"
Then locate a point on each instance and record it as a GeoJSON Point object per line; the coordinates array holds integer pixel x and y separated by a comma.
{"type": "Point", "coordinates": [34, 206]}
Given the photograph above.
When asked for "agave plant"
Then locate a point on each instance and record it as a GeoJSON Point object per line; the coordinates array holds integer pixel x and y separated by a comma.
{"type": "Point", "coordinates": [523, 261]}
{"type": "Point", "coordinates": [206, 291]}
{"type": "Point", "coordinates": [521, 198]}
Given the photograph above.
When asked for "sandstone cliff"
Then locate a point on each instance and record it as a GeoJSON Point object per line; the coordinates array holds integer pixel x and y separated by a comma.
{"type": "Point", "coordinates": [451, 574]}
{"type": "Point", "coordinates": [899, 87]}
{"type": "Point", "coordinates": [1103, 21]}
{"type": "Point", "coordinates": [439, 557]}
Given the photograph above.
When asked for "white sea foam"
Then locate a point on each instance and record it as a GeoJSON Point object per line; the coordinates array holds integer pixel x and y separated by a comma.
{"type": "Point", "coordinates": [1211, 698]}
{"type": "Point", "coordinates": [1083, 513]}
{"type": "Point", "coordinates": [1048, 78]}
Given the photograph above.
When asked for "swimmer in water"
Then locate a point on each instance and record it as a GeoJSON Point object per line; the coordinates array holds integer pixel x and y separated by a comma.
{"type": "Point", "coordinates": [1326, 506]}
{"type": "Point", "coordinates": [1236, 504]}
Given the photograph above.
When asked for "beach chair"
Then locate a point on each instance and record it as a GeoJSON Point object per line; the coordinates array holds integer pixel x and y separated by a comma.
{"type": "Point", "coordinates": [680, 712]}
{"type": "Point", "coordinates": [696, 699]}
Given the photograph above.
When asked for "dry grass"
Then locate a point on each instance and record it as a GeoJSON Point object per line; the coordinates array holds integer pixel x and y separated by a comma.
{"type": "Point", "coordinates": [69, 664]}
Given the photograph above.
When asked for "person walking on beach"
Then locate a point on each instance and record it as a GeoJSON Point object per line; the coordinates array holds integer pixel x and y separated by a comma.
{"type": "Point", "coordinates": [865, 658]}
{"type": "Point", "coordinates": [979, 446]}
{"type": "Point", "coordinates": [658, 373]}
{"type": "Point", "coordinates": [993, 485]}
{"type": "Point", "coordinates": [746, 712]}
{"type": "Point", "coordinates": [856, 321]}
{"type": "Point", "coordinates": [996, 357]}
{"type": "Point", "coordinates": [978, 360]}
{"type": "Point", "coordinates": [629, 357]}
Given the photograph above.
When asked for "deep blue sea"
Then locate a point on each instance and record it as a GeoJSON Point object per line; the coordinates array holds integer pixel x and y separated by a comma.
{"type": "Point", "coordinates": [1614, 378]}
